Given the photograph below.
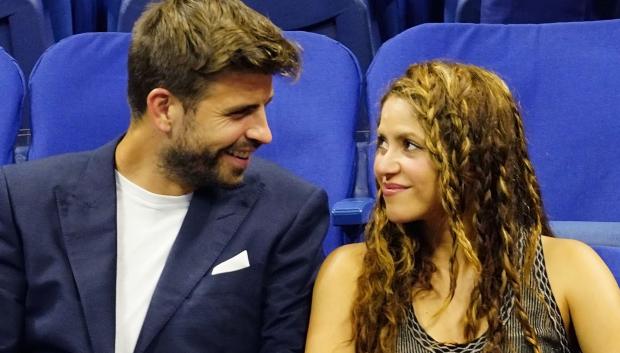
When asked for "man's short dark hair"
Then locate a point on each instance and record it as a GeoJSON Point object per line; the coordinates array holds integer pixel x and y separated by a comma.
{"type": "Point", "coordinates": [181, 45]}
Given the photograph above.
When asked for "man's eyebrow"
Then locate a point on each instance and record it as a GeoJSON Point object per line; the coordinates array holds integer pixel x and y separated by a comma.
{"type": "Point", "coordinates": [240, 109]}
{"type": "Point", "coordinates": [244, 107]}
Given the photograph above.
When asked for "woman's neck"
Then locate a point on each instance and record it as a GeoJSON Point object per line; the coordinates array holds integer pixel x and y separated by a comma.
{"type": "Point", "coordinates": [437, 234]}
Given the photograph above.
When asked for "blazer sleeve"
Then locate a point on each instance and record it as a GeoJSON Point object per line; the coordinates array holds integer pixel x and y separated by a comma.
{"type": "Point", "coordinates": [291, 272]}
{"type": "Point", "coordinates": [12, 278]}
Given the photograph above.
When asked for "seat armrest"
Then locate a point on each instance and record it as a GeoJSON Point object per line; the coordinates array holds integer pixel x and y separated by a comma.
{"type": "Point", "coordinates": [592, 233]}
{"type": "Point", "coordinates": [352, 211]}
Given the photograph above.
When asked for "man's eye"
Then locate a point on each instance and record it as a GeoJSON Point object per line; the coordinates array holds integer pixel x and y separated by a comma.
{"type": "Point", "coordinates": [237, 115]}
{"type": "Point", "coordinates": [241, 113]}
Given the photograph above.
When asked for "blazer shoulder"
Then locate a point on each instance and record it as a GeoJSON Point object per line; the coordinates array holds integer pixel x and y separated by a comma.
{"type": "Point", "coordinates": [63, 167]}
{"type": "Point", "coordinates": [55, 170]}
{"type": "Point", "coordinates": [275, 177]}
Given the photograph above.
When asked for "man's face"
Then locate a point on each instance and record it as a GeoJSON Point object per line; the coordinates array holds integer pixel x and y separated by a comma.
{"type": "Point", "coordinates": [213, 145]}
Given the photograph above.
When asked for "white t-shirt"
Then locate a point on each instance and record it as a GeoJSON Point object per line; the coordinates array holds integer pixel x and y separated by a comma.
{"type": "Point", "coordinates": [147, 225]}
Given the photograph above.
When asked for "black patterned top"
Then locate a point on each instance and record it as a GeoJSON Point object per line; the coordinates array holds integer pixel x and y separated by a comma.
{"type": "Point", "coordinates": [541, 308]}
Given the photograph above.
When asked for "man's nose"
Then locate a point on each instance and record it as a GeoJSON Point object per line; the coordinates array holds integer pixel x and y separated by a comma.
{"type": "Point", "coordinates": [260, 131]}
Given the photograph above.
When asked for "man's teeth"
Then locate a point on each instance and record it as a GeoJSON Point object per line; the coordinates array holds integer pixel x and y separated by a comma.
{"type": "Point", "coordinates": [244, 155]}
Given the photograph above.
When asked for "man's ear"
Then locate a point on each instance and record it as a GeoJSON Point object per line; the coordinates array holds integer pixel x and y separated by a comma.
{"type": "Point", "coordinates": [162, 108]}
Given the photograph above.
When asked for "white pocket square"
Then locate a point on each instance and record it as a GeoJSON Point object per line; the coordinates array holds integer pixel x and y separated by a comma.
{"type": "Point", "coordinates": [235, 263]}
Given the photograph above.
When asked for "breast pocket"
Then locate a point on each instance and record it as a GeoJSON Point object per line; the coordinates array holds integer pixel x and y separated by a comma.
{"type": "Point", "coordinates": [243, 282]}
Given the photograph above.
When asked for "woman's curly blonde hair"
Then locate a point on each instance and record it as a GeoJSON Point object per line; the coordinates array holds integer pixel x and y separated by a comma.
{"type": "Point", "coordinates": [475, 136]}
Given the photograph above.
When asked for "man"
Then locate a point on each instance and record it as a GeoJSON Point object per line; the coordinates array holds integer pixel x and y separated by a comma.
{"type": "Point", "coordinates": [168, 239]}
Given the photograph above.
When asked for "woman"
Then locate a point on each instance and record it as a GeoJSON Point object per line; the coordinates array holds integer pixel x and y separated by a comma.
{"type": "Point", "coordinates": [458, 254]}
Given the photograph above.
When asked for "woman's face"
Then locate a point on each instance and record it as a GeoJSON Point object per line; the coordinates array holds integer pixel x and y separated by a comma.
{"type": "Point", "coordinates": [403, 167]}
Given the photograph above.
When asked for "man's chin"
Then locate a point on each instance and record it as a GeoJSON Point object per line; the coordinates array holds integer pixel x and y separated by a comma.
{"type": "Point", "coordinates": [222, 176]}
{"type": "Point", "coordinates": [230, 179]}
{"type": "Point", "coordinates": [231, 184]}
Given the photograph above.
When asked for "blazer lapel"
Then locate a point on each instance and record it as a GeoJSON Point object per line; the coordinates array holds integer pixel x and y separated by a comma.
{"type": "Point", "coordinates": [87, 213]}
{"type": "Point", "coordinates": [211, 220]}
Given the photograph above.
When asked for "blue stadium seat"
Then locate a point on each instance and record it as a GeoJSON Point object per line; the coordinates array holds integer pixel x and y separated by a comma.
{"type": "Point", "coordinates": [112, 9]}
{"type": "Point", "coordinates": [85, 16]}
{"type": "Point", "coordinates": [313, 120]}
{"type": "Point", "coordinates": [347, 21]}
{"type": "Point", "coordinates": [394, 16]}
{"type": "Point", "coordinates": [68, 17]}
{"type": "Point", "coordinates": [566, 77]}
{"type": "Point", "coordinates": [78, 102]}
{"type": "Point", "coordinates": [534, 11]}
{"type": "Point", "coordinates": [25, 31]}
{"type": "Point", "coordinates": [78, 94]}
{"type": "Point", "coordinates": [12, 91]}
{"type": "Point", "coordinates": [467, 11]}
{"type": "Point", "coordinates": [60, 14]}
{"type": "Point", "coordinates": [389, 16]}
{"type": "Point", "coordinates": [127, 13]}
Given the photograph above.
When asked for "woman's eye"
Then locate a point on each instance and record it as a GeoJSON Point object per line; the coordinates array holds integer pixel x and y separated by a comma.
{"type": "Point", "coordinates": [410, 146]}
{"type": "Point", "coordinates": [381, 144]}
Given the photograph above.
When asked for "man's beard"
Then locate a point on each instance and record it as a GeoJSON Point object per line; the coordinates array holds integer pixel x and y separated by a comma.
{"type": "Point", "coordinates": [196, 169]}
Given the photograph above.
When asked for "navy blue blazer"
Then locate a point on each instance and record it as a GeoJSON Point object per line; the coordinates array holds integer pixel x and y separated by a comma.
{"type": "Point", "coordinates": [58, 262]}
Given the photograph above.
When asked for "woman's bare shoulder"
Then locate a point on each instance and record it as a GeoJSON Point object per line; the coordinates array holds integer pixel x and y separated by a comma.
{"type": "Point", "coordinates": [568, 258]}
{"type": "Point", "coordinates": [334, 293]}
{"type": "Point", "coordinates": [344, 262]}
{"type": "Point", "coordinates": [558, 244]}
{"type": "Point", "coordinates": [564, 251]}
{"type": "Point", "coordinates": [578, 275]}
{"type": "Point", "coordinates": [576, 269]}
{"type": "Point", "coordinates": [335, 288]}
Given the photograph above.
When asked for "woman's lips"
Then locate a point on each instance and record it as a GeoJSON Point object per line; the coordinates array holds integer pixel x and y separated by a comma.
{"type": "Point", "coordinates": [390, 189]}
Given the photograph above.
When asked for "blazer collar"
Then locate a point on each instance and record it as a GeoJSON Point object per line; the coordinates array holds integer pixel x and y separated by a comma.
{"type": "Point", "coordinates": [212, 219]}
{"type": "Point", "coordinates": [87, 212]}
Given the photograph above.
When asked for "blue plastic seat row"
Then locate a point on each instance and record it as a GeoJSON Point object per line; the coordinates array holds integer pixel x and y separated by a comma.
{"type": "Point", "coordinates": [27, 27]}
{"type": "Point", "coordinates": [568, 94]}
{"type": "Point", "coordinates": [347, 21]}
{"type": "Point", "coordinates": [530, 11]}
